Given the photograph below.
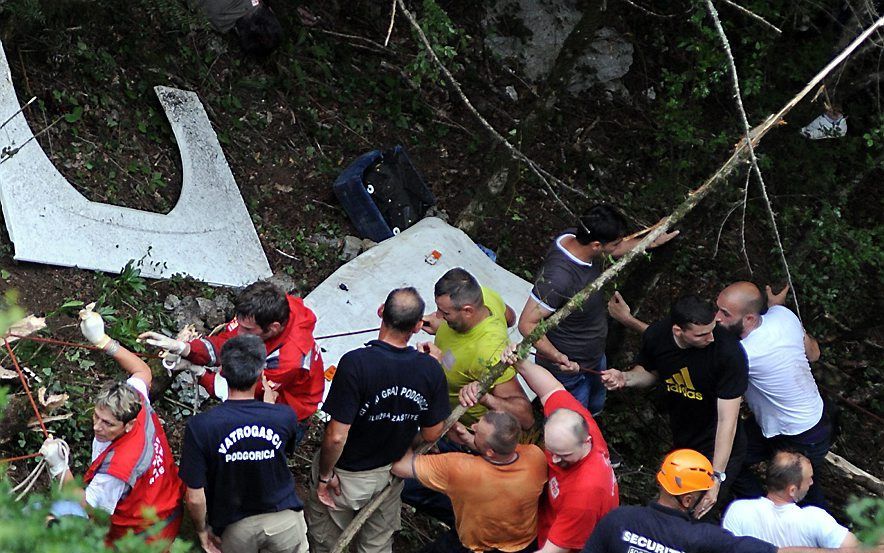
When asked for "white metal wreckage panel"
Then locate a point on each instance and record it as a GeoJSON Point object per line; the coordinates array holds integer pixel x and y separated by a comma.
{"type": "Point", "coordinates": [208, 235]}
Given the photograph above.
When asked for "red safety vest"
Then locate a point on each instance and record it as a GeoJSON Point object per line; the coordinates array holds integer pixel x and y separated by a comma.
{"type": "Point", "coordinates": [141, 458]}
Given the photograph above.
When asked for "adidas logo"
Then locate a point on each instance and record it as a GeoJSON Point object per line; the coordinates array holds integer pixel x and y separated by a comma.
{"type": "Point", "coordinates": [680, 383]}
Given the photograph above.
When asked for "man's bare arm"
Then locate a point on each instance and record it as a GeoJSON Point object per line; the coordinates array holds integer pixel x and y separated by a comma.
{"type": "Point", "coordinates": [811, 348]}
{"type": "Point", "coordinates": [532, 314]}
{"type": "Point", "coordinates": [332, 445]}
{"type": "Point", "coordinates": [510, 398]}
{"type": "Point", "coordinates": [620, 311]}
{"type": "Point", "coordinates": [538, 379]}
{"type": "Point", "coordinates": [432, 433]}
{"type": "Point", "coordinates": [404, 467]}
{"type": "Point", "coordinates": [725, 430]}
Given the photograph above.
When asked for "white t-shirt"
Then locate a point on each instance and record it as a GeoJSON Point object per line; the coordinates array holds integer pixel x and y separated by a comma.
{"type": "Point", "coordinates": [105, 491]}
{"type": "Point", "coordinates": [783, 525]}
{"type": "Point", "coordinates": [782, 392]}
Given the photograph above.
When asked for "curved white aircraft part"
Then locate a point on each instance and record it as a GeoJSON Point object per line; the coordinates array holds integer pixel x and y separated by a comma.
{"type": "Point", "coordinates": [208, 235]}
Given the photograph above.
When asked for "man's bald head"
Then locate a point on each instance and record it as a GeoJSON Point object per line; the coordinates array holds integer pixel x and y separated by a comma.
{"type": "Point", "coordinates": [566, 436]}
{"type": "Point", "coordinates": [740, 307]}
{"type": "Point", "coordinates": [747, 296]}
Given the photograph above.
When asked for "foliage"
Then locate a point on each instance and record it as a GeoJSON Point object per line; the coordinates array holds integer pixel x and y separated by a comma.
{"type": "Point", "coordinates": [445, 38]}
{"type": "Point", "coordinates": [26, 528]}
{"type": "Point", "coordinates": [867, 515]}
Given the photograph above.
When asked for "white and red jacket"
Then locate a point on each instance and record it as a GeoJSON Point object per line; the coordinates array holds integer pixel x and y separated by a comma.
{"type": "Point", "coordinates": [293, 361]}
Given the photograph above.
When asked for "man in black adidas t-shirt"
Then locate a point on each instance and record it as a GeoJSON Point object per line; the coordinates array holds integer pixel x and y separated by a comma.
{"type": "Point", "coordinates": [381, 396]}
{"type": "Point", "coordinates": [702, 373]}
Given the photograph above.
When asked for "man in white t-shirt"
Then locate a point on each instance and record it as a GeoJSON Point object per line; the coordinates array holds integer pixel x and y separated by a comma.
{"type": "Point", "coordinates": [777, 519]}
{"type": "Point", "coordinates": [782, 393]}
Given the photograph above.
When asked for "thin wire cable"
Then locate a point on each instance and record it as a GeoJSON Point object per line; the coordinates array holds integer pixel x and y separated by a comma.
{"type": "Point", "coordinates": [76, 345]}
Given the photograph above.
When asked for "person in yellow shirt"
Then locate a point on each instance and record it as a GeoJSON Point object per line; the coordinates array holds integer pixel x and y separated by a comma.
{"type": "Point", "coordinates": [470, 324]}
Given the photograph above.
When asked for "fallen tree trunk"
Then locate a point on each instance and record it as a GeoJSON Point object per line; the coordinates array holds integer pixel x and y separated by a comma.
{"type": "Point", "coordinates": [739, 156]}
{"type": "Point", "coordinates": [858, 475]}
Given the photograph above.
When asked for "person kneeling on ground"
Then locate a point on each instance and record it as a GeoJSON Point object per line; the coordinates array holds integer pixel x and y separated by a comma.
{"type": "Point", "coordinates": [285, 325]}
{"type": "Point", "coordinates": [133, 470]}
{"type": "Point", "coordinates": [257, 26]}
{"type": "Point", "coordinates": [494, 493]}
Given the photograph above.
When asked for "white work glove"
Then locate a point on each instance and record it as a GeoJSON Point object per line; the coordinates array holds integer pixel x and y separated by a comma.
{"type": "Point", "coordinates": [56, 453]}
{"type": "Point", "coordinates": [92, 327]}
{"type": "Point", "coordinates": [164, 342]}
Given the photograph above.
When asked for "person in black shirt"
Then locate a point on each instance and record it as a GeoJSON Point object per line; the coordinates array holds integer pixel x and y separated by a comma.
{"type": "Point", "coordinates": [703, 373]}
{"type": "Point", "coordinates": [240, 492]}
{"type": "Point", "coordinates": [381, 396]}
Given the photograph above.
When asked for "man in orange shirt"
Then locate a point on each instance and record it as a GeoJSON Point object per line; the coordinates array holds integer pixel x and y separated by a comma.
{"type": "Point", "coordinates": [494, 493]}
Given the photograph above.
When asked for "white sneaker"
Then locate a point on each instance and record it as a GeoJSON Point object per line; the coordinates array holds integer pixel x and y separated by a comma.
{"type": "Point", "coordinates": [826, 127]}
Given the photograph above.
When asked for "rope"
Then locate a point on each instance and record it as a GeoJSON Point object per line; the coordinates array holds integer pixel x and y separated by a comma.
{"type": "Point", "coordinates": [24, 382]}
{"type": "Point", "coordinates": [19, 458]}
{"type": "Point", "coordinates": [75, 345]}
{"type": "Point", "coordinates": [351, 333]}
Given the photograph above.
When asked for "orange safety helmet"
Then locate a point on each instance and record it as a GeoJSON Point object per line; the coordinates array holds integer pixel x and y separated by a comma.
{"type": "Point", "coordinates": [684, 471]}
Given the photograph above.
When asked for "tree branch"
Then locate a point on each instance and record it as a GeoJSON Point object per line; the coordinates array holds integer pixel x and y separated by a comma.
{"type": "Point", "coordinates": [754, 16]}
{"type": "Point", "coordinates": [752, 159]}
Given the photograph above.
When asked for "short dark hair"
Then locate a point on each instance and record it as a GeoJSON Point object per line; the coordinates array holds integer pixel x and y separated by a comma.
{"type": "Point", "coordinates": [243, 357]}
{"type": "Point", "coordinates": [785, 469]}
{"type": "Point", "coordinates": [461, 287]}
{"type": "Point", "coordinates": [601, 223]}
{"type": "Point", "coordinates": [505, 437]}
{"type": "Point", "coordinates": [692, 310]}
{"type": "Point", "coordinates": [403, 309]}
{"type": "Point", "coordinates": [263, 301]}
{"type": "Point", "coordinates": [259, 31]}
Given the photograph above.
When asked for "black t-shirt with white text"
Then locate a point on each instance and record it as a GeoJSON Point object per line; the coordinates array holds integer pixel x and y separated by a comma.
{"type": "Point", "coordinates": [236, 451]}
{"type": "Point", "coordinates": [693, 379]}
{"type": "Point", "coordinates": [386, 394]}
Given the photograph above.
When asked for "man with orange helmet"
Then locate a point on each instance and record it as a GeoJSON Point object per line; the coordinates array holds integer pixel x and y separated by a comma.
{"type": "Point", "coordinates": [667, 525]}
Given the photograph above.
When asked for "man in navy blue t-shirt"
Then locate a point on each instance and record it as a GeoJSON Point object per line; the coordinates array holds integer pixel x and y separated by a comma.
{"type": "Point", "coordinates": [381, 396]}
{"type": "Point", "coordinates": [240, 492]}
{"type": "Point", "coordinates": [667, 525]}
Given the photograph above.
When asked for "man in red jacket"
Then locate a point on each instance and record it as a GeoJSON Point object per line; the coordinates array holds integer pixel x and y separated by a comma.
{"type": "Point", "coordinates": [133, 470]}
{"type": "Point", "coordinates": [285, 324]}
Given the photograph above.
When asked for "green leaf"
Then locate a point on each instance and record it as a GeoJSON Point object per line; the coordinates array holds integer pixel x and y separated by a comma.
{"type": "Point", "coordinates": [75, 115]}
{"type": "Point", "coordinates": [72, 303]}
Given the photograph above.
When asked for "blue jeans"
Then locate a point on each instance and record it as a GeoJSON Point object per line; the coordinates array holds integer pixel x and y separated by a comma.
{"type": "Point", "coordinates": [586, 387]}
